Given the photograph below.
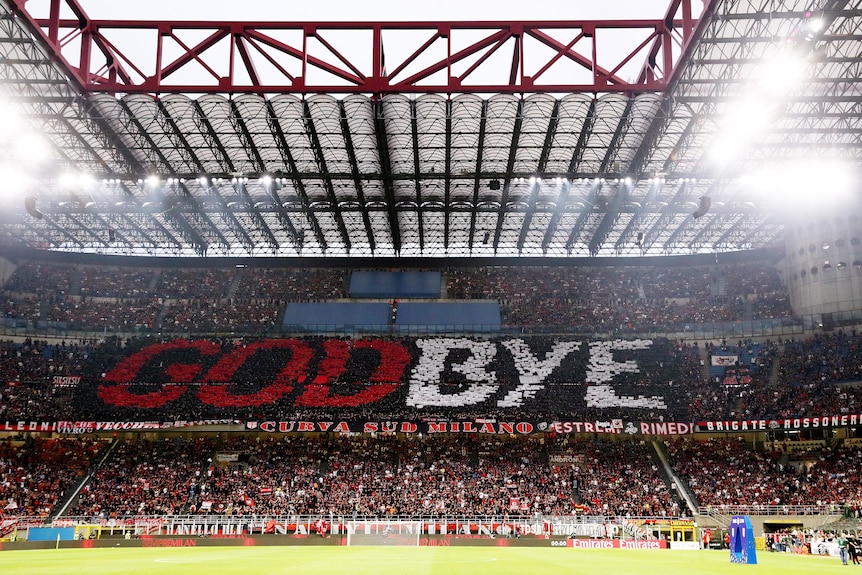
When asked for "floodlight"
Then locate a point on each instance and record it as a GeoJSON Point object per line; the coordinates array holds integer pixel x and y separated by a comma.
{"type": "Point", "coordinates": [32, 148]}
{"type": "Point", "coordinates": [68, 180]}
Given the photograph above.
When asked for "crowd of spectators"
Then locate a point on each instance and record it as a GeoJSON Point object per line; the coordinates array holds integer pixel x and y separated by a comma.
{"type": "Point", "coordinates": [625, 299]}
{"type": "Point", "coordinates": [128, 284]}
{"type": "Point", "coordinates": [291, 284]}
{"type": "Point", "coordinates": [147, 477]}
{"type": "Point", "coordinates": [817, 375]}
{"type": "Point", "coordinates": [43, 279]}
{"type": "Point", "coordinates": [27, 370]}
{"type": "Point", "coordinates": [725, 472]}
{"type": "Point", "coordinates": [415, 476]}
{"type": "Point", "coordinates": [377, 476]}
{"type": "Point", "coordinates": [616, 478]}
{"type": "Point", "coordinates": [35, 473]}
{"type": "Point", "coordinates": [193, 283]}
{"type": "Point", "coordinates": [106, 315]}
{"type": "Point", "coordinates": [337, 380]}
{"type": "Point", "coordinates": [618, 300]}
{"type": "Point", "coordinates": [822, 358]}
{"type": "Point", "coordinates": [223, 315]}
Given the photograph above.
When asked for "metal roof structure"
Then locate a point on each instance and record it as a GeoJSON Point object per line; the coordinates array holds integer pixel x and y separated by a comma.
{"type": "Point", "coordinates": [418, 139]}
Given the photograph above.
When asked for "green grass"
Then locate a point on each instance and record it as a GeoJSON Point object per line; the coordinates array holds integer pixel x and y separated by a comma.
{"type": "Point", "coordinates": [401, 561]}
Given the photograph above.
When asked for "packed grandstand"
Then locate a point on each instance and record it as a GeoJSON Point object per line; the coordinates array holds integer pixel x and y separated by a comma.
{"type": "Point", "coordinates": [390, 307]}
{"type": "Point", "coordinates": [122, 412]}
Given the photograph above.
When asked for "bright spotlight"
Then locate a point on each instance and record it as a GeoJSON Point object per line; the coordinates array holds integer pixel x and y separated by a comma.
{"type": "Point", "coordinates": [10, 119]}
{"type": "Point", "coordinates": [13, 173]}
{"type": "Point", "coordinates": [32, 148]}
{"type": "Point", "coordinates": [153, 181]}
{"type": "Point", "coordinates": [781, 74]}
{"type": "Point", "coordinates": [68, 180]}
{"type": "Point", "coordinates": [797, 186]}
{"type": "Point", "coordinates": [266, 180]}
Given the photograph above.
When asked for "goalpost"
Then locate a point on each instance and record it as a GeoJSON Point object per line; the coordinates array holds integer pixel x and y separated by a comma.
{"type": "Point", "coordinates": [392, 533]}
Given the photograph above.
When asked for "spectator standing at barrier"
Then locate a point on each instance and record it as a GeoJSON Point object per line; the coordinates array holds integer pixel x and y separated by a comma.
{"type": "Point", "coordinates": [842, 548]}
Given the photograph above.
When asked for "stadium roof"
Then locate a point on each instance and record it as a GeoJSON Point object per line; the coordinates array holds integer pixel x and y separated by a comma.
{"type": "Point", "coordinates": [545, 138]}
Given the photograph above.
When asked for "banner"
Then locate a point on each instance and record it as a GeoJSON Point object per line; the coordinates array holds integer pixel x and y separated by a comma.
{"type": "Point", "coordinates": [616, 544]}
{"type": "Point", "coordinates": [565, 458]}
{"type": "Point", "coordinates": [66, 380]}
{"type": "Point", "coordinates": [28, 426]}
{"type": "Point", "coordinates": [76, 427]}
{"type": "Point", "coordinates": [308, 373]}
{"type": "Point", "coordinates": [814, 422]}
{"type": "Point", "coordinates": [479, 426]}
{"type": "Point", "coordinates": [628, 428]}
{"type": "Point", "coordinates": [409, 427]}
{"type": "Point", "coordinates": [724, 360]}
{"type": "Point", "coordinates": [737, 376]}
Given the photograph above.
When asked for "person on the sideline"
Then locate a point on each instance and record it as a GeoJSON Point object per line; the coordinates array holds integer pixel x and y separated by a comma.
{"type": "Point", "coordinates": [853, 550]}
{"type": "Point", "coordinates": [842, 547]}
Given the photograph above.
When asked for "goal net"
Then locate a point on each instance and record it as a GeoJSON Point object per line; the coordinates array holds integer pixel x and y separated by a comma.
{"type": "Point", "coordinates": [393, 533]}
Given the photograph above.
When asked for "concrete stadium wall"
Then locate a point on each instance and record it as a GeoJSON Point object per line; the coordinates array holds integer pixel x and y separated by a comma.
{"type": "Point", "coordinates": [823, 261]}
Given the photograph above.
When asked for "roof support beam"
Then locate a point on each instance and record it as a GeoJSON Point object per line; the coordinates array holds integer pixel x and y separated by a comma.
{"type": "Point", "coordinates": [417, 182]}
{"type": "Point", "coordinates": [62, 231]}
{"type": "Point", "coordinates": [540, 168]}
{"type": "Point", "coordinates": [577, 156]}
{"type": "Point", "coordinates": [595, 188]}
{"type": "Point", "coordinates": [254, 155]}
{"type": "Point", "coordinates": [660, 224]}
{"type": "Point", "coordinates": [174, 133]}
{"type": "Point", "coordinates": [613, 211]}
{"type": "Point", "coordinates": [357, 177]}
{"type": "Point", "coordinates": [327, 180]}
{"type": "Point", "coordinates": [227, 214]}
{"type": "Point", "coordinates": [633, 224]}
{"type": "Point", "coordinates": [447, 175]}
{"type": "Point", "coordinates": [386, 174]}
{"type": "Point", "coordinates": [212, 139]}
{"type": "Point", "coordinates": [246, 138]}
{"type": "Point", "coordinates": [37, 230]}
{"type": "Point", "coordinates": [510, 166]}
{"type": "Point", "coordinates": [619, 199]}
{"type": "Point", "coordinates": [477, 180]}
{"type": "Point", "coordinates": [299, 186]}
{"type": "Point", "coordinates": [152, 150]}
{"type": "Point", "coordinates": [185, 229]}
{"type": "Point", "coordinates": [253, 210]}
{"type": "Point", "coordinates": [152, 241]}
{"type": "Point", "coordinates": [102, 65]}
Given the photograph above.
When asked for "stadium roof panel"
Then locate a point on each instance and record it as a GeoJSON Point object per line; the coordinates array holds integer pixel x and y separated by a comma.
{"type": "Point", "coordinates": [395, 159]}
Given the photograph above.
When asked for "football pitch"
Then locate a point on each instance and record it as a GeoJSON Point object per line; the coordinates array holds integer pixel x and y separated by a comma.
{"type": "Point", "coordinates": [400, 561]}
